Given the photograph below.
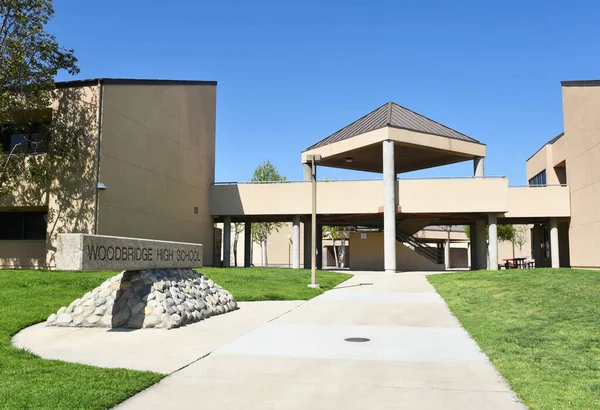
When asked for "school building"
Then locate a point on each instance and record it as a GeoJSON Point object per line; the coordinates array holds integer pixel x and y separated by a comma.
{"type": "Point", "coordinates": [149, 164]}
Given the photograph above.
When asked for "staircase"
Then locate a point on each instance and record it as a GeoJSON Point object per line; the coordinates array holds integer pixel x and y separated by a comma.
{"type": "Point", "coordinates": [435, 255]}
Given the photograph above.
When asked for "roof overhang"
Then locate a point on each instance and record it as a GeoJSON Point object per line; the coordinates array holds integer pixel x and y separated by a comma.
{"type": "Point", "coordinates": [412, 151]}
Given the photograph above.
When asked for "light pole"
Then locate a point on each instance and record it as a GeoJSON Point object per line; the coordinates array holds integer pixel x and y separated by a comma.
{"type": "Point", "coordinates": [314, 159]}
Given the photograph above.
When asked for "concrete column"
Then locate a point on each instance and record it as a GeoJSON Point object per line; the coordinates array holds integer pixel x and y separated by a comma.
{"type": "Point", "coordinates": [307, 244]}
{"type": "Point", "coordinates": [473, 247]}
{"type": "Point", "coordinates": [554, 250]}
{"type": "Point", "coordinates": [247, 244]}
{"type": "Point", "coordinates": [478, 167]}
{"type": "Point", "coordinates": [319, 247]}
{"type": "Point", "coordinates": [481, 248]}
{"type": "Point", "coordinates": [447, 254]}
{"type": "Point", "coordinates": [389, 207]}
{"type": "Point", "coordinates": [227, 242]}
{"type": "Point", "coordinates": [296, 242]}
{"type": "Point", "coordinates": [493, 242]}
{"type": "Point", "coordinates": [307, 172]}
{"type": "Point", "coordinates": [469, 256]}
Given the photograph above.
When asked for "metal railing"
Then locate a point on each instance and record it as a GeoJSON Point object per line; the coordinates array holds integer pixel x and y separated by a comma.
{"type": "Point", "coordinates": [355, 180]}
{"type": "Point", "coordinates": [538, 186]}
{"type": "Point", "coordinates": [429, 252]}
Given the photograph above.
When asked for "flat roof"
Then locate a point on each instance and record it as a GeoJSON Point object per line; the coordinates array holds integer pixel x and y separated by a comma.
{"type": "Point", "coordinates": [552, 141]}
{"type": "Point", "coordinates": [580, 83]}
{"type": "Point", "coordinates": [129, 81]}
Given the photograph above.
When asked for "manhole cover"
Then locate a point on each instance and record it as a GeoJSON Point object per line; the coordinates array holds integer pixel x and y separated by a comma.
{"type": "Point", "coordinates": [357, 339]}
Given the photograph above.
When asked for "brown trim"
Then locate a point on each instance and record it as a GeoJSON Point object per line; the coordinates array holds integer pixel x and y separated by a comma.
{"type": "Point", "coordinates": [129, 81]}
{"type": "Point", "coordinates": [580, 83]}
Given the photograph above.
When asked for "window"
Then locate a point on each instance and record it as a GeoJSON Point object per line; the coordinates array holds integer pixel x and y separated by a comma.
{"type": "Point", "coordinates": [23, 225]}
{"type": "Point", "coordinates": [539, 179]}
{"type": "Point", "coordinates": [29, 133]}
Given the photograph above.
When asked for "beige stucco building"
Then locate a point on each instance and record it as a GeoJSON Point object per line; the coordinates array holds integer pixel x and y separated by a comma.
{"type": "Point", "coordinates": [388, 215]}
{"type": "Point", "coordinates": [572, 158]}
{"type": "Point", "coordinates": [145, 170]}
{"type": "Point", "coordinates": [148, 167]}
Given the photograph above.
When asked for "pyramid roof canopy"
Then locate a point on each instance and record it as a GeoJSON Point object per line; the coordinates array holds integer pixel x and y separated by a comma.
{"type": "Point", "coordinates": [421, 142]}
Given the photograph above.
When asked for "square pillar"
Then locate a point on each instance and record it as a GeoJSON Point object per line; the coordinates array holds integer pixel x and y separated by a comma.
{"type": "Point", "coordinates": [389, 207]}
{"type": "Point", "coordinates": [493, 242]}
{"type": "Point", "coordinates": [480, 248]}
{"type": "Point", "coordinates": [447, 254]}
{"type": "Point", "coordinates": [227, 242]}
{"type": "Point", "coordinates": [247, 244]}
{"type": "Point", "coordinates": [478, 167]}
{"type": "Point", "coordinates": [308, 172]}
{"type": "Point", "coordinates": [554, 249]}
{"type": "Point", "coordinates": [296, 242]}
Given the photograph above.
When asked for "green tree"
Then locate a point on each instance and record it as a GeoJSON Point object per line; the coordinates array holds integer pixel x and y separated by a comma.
{"type": "Point", "coordinates": [30, 58]}
{"type": "Point", "coordinates": [265, 173]}
{"type": "Point", "coordinates": [505, 232]}
{"type": "Point", "coordinates": [336, 233]}
{"type": "Point", "coordinates": [237, 228]}
{"type": "Point", "coordinates": [520, 237]}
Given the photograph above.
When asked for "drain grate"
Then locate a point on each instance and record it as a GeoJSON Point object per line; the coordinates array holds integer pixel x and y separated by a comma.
{"type": "Point", "coordinates": [357, 339]}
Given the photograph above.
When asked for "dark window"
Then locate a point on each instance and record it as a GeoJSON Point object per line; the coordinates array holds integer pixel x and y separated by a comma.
{"type": "Point", "coordinates": [539, 179]}
{"type": "Point", "coordinates": [29, 133]}
{"type": "Point", "coordinates": [23, 225]}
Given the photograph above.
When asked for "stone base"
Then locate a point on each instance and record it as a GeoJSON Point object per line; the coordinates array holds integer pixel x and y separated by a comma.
{"type": "Point", "coordinates": [149, 298]}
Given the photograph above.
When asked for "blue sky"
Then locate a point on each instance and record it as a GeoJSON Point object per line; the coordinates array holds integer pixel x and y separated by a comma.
{"type": "Point", "coordinates": [291, 73]}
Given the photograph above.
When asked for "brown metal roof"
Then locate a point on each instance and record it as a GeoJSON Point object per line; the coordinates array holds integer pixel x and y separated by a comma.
{"type": "Point", "coordinates": [393, 115]}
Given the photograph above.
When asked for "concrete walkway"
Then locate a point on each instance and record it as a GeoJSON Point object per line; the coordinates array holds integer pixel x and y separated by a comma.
{"type": "Point", "coordinates": [418, 356]}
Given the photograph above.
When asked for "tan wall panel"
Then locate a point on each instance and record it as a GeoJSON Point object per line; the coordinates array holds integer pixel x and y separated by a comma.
{"type": "Point", "coordinates": [578, 173]}
{"type": "Point", "coordinates": [295, 198]}
{"type": "Point", "coordinates": [157, 160]}
{"type": "Point", "coordinates": [367, 254]}
{"type": "Point", "coordinates": [453, 195]}
{"type": "Point", "coordinates": [538, 162]}
{"type": "Point", "coordinates": [559, 151]}
{"type": "Point", "coordinates": [552, 201]}
{"type": "Point", "coordinates": [345, 197]}
{"type": "Point", "coordinates": [22, 254]}
{"type": "Point", "coordinates": [594, 161]}
{"type": "Point", "coordinates": [581, 113]}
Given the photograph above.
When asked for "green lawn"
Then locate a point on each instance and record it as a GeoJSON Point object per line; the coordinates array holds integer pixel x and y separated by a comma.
{"type": "Point", "coordinates": [251, 284]}
{"type": "Point", "coordinates": [539, 327]}
{"type": "Point", "coordinates": [28, 382]}
{"type": "Point", "coordinates": [28, 297]}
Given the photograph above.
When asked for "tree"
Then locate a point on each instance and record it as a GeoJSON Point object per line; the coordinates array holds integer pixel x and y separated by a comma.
{"type": "Point", "coordinates": [265, 173]}
{"type": "Point", "coordinates": [336, 233]}
{"type": "Point", "coordinates": [521, 236]}
{"type": "Point", "coordinates": [238, 228]}
{"type": "Point", "coordinates": [504, 232]}
{"type": "Point", "coordinates": [30, 58]}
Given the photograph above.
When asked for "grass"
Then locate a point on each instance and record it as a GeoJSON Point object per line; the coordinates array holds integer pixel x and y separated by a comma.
{"type": "Point", "coordinates": [539, 327]}
{"type": "Point", "coordinates": [28, 297]}
{"type": "Point", "coordinates": [28, 382]}
{"type": "Point", "coordinates": [253, 284]}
